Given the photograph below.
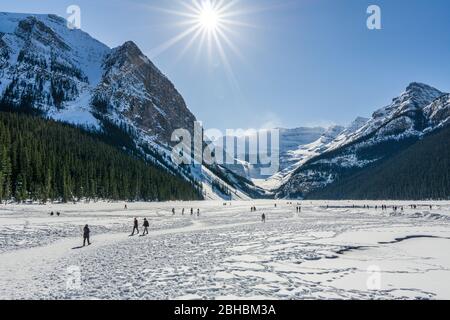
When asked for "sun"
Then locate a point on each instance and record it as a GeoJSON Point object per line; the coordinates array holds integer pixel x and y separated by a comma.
{"type": "Point", "coordinates": [209, 17]}
{"type": "Point", "coordinates": [208, 26]}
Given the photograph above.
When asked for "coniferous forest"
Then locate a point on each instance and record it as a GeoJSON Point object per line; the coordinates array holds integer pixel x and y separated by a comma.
{"type": "Point", "coordinates": [45, 160]}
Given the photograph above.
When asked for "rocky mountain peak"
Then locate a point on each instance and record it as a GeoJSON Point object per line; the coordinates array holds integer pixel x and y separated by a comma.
{"type": "Point", "coordinates": [128, 51]}
{"type": "Point", "coordinates": [417, 95]}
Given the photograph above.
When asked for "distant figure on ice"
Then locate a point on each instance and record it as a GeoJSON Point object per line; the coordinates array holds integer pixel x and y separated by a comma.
{"type": "Point", "coordinates": [51, 214]}
{"type": "Point", "coordinates": [126, 207]}
{"type": "Point", "coordinates": [58, 213]}
{"type": "Point", "coordinates": [182, 212]}
{"type": "Point", "coordinates": [86, 233]}
{"type": "Point", "coordinates": [198, 212]}
{"type": "Point", "coordinates": [173, 211]}
{"type": "Point", "coordinates": [145, 225]}
{"type": "Point", "coordinates": [135, 226]}
{"type": "Point", "coordinates": [192, 211]}
{"type": "Point", "coordinates": [263, 218]}
{"type": "Point", "coordinates": [275, 205]}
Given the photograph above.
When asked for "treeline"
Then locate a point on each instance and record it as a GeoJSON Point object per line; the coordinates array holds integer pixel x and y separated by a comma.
{"type": "Point", "coordinates": [45, 160]}
{"type": "Point", "coordinates": [421, 171]}
{"type": "Point", "coordinates": [220, 187]}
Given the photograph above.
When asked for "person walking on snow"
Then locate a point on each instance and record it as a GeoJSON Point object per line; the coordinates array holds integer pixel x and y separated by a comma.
{"type": "Point", "coordinates": [145, 225]}
{"type": "Point", "coordinates": [263, 217]}
{"type": "Point", "coordinates": [135, 226]}
{"type": "Point", "coordinates": [86, 233]}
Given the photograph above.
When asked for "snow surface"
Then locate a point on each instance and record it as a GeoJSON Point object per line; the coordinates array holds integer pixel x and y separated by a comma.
{"type": "Point", "coordinates": [226, 253]}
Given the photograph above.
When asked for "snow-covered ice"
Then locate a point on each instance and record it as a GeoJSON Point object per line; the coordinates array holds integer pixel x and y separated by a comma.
{"type": "Point", "coordinates": [339, 252]}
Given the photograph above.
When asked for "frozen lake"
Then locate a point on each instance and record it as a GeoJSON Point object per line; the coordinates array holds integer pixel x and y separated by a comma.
{"type": "Point", "coordinates": [330, 250]}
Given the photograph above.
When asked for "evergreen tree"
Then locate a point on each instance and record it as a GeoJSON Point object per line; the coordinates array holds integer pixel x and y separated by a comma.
{"type": "Point", "coordinates": [47, 160]}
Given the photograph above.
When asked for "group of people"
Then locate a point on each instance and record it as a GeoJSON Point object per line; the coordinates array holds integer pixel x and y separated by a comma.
{"type": "Point", "coordinates": [57, 213]}
{"type": "Point", "coordinates": [383, 207]}
{"type": "Point", "coordinates": [396, 208]}
{"type": "Point", "coordinates": [183, 210]}
{"type": "Point", "coordinates": [263, 216]}
{"type": "Point", "coordinates": [146, 225]}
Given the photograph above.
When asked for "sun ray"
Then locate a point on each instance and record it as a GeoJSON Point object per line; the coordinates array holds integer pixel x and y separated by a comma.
{"type": "Point", "coordinates": [197, 34]}
{"type": "Point", "coordinates": [230, 44]}
{"type": "Point", "coordinates": [171, 42]}
{"type": "Point", "coordinates": [201, 45]}
{"type": "Point", "coordinates": [228, 23]}
{"type": "Point", "coordinates": [191, 15]}
{"type": "Point", "coordinates": [228, 69]}
{"type": "Point", "coordinates": [224, 9]}
{"type": "Point", "coordinates": [197, 5]}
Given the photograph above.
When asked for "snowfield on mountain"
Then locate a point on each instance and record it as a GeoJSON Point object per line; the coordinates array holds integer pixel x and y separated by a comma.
{"type": "Point", "coordinates": [330, 250]}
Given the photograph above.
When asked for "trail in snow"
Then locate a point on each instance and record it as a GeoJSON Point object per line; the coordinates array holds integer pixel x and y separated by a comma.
{"type": "Point", "coordinates": [226, 252]}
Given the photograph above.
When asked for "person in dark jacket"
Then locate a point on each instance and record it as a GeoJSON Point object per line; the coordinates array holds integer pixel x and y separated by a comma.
{"type": "Point", "coordinates": [145, 225]}
{"type": "Point", "coordinates": [86, 233]}
{"type": "Point", "coordinates": [135, 227]}
{"type": "Point", "coordinates": [263, 217]}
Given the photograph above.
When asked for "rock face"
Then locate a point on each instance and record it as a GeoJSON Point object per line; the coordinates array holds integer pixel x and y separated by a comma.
{"type": "Point", "coordinates": [293, 139]}
{"type": "Point", "coordinates": [67, 75]}
{"type": "Point", "coordinates": [418, 111]}
{"type": "Point", "coordinates": [133, 87]}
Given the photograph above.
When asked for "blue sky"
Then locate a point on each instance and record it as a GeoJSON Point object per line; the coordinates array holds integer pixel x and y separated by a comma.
{"type": "Point", "coordinates": [301, 62]}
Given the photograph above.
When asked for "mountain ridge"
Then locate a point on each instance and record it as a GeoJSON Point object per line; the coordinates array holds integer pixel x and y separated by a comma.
{"type": "Point", "coordinates": [402, 123]}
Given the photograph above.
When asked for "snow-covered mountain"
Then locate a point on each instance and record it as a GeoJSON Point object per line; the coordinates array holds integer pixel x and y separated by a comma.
{"type": "Point", "coordinates": [49, 69]}
{"type": "Point", "coordinates": [70, 76]}
{"type": "Point", "coordinates": [294, 157]}
{"type": "Point", "coordinates": [289, 140]}
{"type": "Point", "coordinates": [65, 74]}
{"type": "Point", "coordinates": [418, 111]}
{"type": "Point", "coordinates": [293, 139]}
